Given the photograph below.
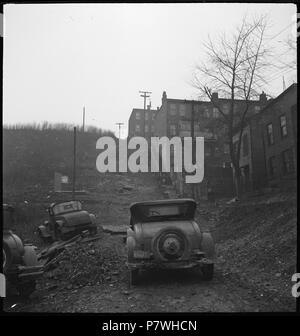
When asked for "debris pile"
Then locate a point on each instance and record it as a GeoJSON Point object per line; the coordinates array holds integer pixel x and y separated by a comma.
{"type": "Point", "coordinates": [83, 262]}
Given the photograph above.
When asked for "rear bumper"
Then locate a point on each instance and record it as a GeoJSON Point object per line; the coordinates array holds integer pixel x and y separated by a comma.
{"type": "Point", "coordinates": [180, 264]}
{"type": "Point", "coordinates": [29, 272]}
{"type": "Point", "coordinates": [23, 274]}
{"type": "Point", "coordinates": [78, 228]}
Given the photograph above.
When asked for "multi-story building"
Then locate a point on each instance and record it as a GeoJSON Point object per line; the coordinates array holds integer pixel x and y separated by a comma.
{"type": "Point", "coordinates": [174, 118]}
{"type": "Point", "coordinates": [268, 154]}
{"type": "Point", "coordinates": [141, 122]}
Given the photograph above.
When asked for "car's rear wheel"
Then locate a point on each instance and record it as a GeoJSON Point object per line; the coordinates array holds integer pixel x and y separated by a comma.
{"type": "Point", "coordinates": [133, 277]}
{"type": "Point", "coordinates": [207, 272]}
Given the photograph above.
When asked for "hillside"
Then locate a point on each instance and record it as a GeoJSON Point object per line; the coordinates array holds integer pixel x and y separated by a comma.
{"type": "Point", "coordinates": [32, 154]}
{"type": "Point", "coordinates": [257, 243]}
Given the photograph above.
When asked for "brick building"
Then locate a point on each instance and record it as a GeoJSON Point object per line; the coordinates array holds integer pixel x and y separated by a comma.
{"type": "Point", "coordinates": [269, 144]}
{"type": "Point", "coordinates": [174, 119]}
{"type": "Point", "coordinates": [141, 122]}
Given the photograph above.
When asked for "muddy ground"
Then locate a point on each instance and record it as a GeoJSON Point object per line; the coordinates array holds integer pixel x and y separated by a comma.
{"type": "Point", "coordinates": [252, 274]}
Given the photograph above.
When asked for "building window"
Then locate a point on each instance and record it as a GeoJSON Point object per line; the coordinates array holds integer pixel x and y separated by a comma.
{"type": "Point", "coordinates": [146, 128]}
{"type": "Point", "coordinates": [256, 108]}
{"type": "Point", "coordinates": [153, 116]}
{"type": "Point", "coordinates": [146, 116]}
{"type": "Point", "coordinates": [137, 115]}
{"type": "Point", "coordinates": [215, 112]}
{"type": "Point", "coordinates": [173, 109]}
{"type": "Point", "coordinates": [182, 110]}
{"type": "Point", "coordinates": [270, 134]}
{"type": "Point", "coordinates": [172, 130]}
{"type": "Point", "coordinates": [226, 148]}
{"type": "Point", "coordinates": [206, 112]}
{"type": "Point", "coordinates": [226, 164]}
{"type": "Point", "coordinates": [245, 145]}
{"type": "Point", "coordinates": [137, 128]}
{"type": "Point", "coordinates": [283, 129]}
{"type": "Point", "coordinates": [272, 166]}
{"type": "Point", "coordinates": [226, 108]}
{"type": "Point", "coordinates": [287, 161]}
{"type": "Point", "coordinates": [152, 128]}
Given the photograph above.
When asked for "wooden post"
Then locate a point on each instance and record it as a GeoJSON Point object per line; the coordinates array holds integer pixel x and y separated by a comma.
{"type": "Point", "coordinates": [74, 166]}
{"type": "Point", "coordinates": [193, 142]}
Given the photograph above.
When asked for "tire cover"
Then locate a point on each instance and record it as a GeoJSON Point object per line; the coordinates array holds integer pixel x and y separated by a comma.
{"type": "Point", "coordinates": [170, 244]}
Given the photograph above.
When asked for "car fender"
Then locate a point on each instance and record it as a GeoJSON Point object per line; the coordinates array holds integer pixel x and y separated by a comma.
{"type": "Point", "coordinates": [130, 244]}
{"type": "Point", "coordinates": [7, 257]}
{"type": "Point", "coordinates": [93, 219]}
{"type": "Point", "coordinates": [14, 246]}
{"type": "Point", "coordinates": [60, 223]}
{"type": "Point", "coordinates": [208, 245]}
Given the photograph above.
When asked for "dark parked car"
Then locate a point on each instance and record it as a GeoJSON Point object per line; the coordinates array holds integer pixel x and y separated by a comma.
{"type": "Point", "coordinates": [164, 234]}
{"type": "Point", "coordinates": [67, 219]}
{"type": "Point", "coordinates": [20, 265]}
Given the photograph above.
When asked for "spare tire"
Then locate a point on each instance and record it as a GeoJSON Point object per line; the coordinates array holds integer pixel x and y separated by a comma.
{"type": "Point", "coordinates": [170, 244]}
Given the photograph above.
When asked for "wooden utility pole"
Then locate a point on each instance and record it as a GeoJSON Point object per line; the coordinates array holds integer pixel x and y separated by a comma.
{"type": "Point", "coordinates": [193, 142]}
{"type": "Point", "coordinates": [193, 131]}
{"type": "Point", "coordinates": [120, 124]}
{"type": "Point", "coordinates": [83, 118]}
{"type": "Point", "coordinates": [145, 96]}
{"type": "Point", "coordinates": [74, 165]}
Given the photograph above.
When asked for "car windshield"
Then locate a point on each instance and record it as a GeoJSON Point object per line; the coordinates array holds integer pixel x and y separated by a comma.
{"type": "Point", "coordinates": [66, 207]}
{"type": "Point", "coordinates": [164, 212]}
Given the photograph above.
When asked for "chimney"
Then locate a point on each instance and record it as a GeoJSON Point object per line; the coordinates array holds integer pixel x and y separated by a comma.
{"type": "Point", "coordinates": [164, 96]}
{"type": "Point", "coordinates": [215, 97]}
{"type": "Point", "coordinates": [157, 108]}
{"type": "Point", "coordinates": [263, 98]}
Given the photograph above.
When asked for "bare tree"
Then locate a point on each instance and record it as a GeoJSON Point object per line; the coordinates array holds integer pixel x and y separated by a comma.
{"type": "Point", "coordinates": [234, 67]}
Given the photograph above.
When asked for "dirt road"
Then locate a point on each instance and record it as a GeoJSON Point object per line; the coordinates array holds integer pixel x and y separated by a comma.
{"type": "Point", "coordinates": [171, 291]}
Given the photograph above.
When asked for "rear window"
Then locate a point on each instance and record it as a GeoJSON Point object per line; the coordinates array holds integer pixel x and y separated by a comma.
{"type": "Point", "coordinates": [66, 207]}
{"type": "Point", "coordinates": [148, 213]}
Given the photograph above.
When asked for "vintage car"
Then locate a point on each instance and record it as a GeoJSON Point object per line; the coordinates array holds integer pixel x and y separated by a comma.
{"type": "Point", "coordinates": [66, 219]}
{"type": "Point", "coordinates": [20, 264]}
{"type": "Point", "coordinates": [164, 234]}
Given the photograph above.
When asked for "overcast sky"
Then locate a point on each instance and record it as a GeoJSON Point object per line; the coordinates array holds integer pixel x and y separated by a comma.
{"type": "Point", "coordinates": [58, 58]}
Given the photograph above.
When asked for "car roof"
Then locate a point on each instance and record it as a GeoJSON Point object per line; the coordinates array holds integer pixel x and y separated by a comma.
{"type": "Point", "coordinates": [164, 202]}
{"type": "Point", "coordinates": [56, 203]}
{"type": "Point", "coordinates": [137, 214]}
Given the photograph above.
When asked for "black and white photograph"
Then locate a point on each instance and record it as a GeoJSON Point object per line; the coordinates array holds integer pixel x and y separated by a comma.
{"type": "Point", "coordinates": [149, 159]}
